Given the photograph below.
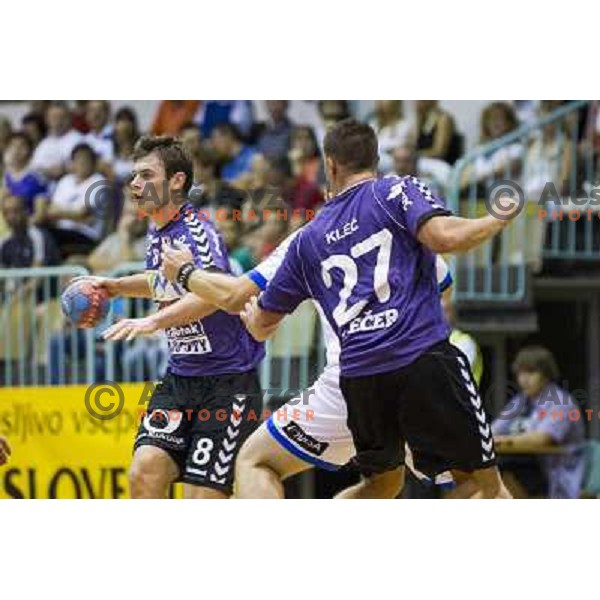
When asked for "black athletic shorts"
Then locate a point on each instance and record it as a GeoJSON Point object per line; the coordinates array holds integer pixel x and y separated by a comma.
{"type": "Point", "coordinates": [432, 404]}
{"type": "Point", "coordinates": [202, 423]}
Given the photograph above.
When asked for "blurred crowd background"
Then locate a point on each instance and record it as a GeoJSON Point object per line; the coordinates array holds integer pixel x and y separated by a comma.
{"type": "Point", "coordinates": [260, 154]}
{"type": "Point", "coordinates": [59, 158]}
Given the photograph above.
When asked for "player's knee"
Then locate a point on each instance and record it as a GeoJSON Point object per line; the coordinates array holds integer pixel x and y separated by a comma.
{"type": "Point", "coordinates": [147, 476]}
{"type": "Point", "coordinates": [251, 456]}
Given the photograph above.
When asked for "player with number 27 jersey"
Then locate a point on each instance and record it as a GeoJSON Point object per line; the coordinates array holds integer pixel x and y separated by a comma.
{"type": "Point", "coordinates": [359, 260]}
{"type": "Point", "coordinates": [401, 379]}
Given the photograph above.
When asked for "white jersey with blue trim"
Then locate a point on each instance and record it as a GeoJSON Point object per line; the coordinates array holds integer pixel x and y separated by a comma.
{"type": "Point", "coordinates": [265, 271]}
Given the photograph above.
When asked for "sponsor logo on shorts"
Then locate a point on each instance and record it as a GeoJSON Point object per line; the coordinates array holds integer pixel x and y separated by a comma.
{"type": "Point", "coordinates": [309, 443]}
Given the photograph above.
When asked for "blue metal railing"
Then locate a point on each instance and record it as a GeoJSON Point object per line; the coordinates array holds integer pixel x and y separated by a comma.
{"type": "Point", "coordinates": [37, 346]}
{"type": "Point", "coordinates": [538, 157]}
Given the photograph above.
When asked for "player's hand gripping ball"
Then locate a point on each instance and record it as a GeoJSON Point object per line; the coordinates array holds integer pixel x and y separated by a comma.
{"type": "Point", "coordinates": [85, 303]}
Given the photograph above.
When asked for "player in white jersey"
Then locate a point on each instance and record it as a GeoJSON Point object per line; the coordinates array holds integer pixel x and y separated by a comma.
{"type": "Point", "coordinates": [310, 430]}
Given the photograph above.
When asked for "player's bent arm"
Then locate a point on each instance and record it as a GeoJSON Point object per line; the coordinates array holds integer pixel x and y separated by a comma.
{"type": "Point", "coordinates": [444, 234]}
{"type": "Point", "coordinates": [187, 310]}
{"type": "Point", "coordinates": [131, 286]}
{"type": "Point", "coordinates": [227, 292]}
{"type": "Point", "coordinates": [261, 323]}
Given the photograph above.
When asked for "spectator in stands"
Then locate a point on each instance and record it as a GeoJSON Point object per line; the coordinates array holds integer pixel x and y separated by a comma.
{"type": "Point", "coordinates": [497, 120]}
{"type": "Point", "coordinates": [6, 131]}
{"type": "Point", "coordinates": [126, 133]}
{"type": "Point", "coordinates": [126, 244]}
{"type": "Point", "coordinates": [79, 119]}
{"type": "Point", "coordinates": [547, 160]}
{"type": "Point", "coordinates": [297, 193]}
{"type": "Point", "coordinates": [436, 134]}
{"type": "Point", "coordinates": [333, 111]}
{"type": "Point", "coordinates": [191, 138]}
{"type": "Point", "coordinates": [236, 157]}
{"type": "Point", "coordinates": [34, 125]}
{"type": "Point", "coordinates": [216, 112]}
{"type": "Point", "coordinates": [76, 214]}
{"type": "Point", "coordinates": [537, 422]}
{"type": "Point", "coordinates": [273, 136]}
{"type": "Point", "coordinates": [212, 192]}
{"type": "Point", "coordinates": [305, 156]}
{"type": "Point", "coordinates": [172, 115]}
{"type": "Point", "coordinates": [21, 180]}
{"type": "Point", "coordinates": [392, 129]}
{"type": "Point", "coordinates": [434, 172]}
{"type": "Point", "coordinates": [548, 157]}
{"type": "Point", "coordinates": [231, 230]}
{"type": "Point", "coordinates": [26, 245]}
{"type": "Point", "coordinates": [53, 153]}
{"type": "Point", "coordinates": [100, 134]}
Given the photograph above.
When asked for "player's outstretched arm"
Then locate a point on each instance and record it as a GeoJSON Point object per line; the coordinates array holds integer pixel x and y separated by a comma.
{"type": "Point", "coordinates": [227, 292]}
{"type": "Point", "coordinates": [187, 310]}
{"type": "Point", "coordinates": [444, 234]}
{"type": "Point", "coordinates": [131, 286]}
{"type": "Point", "coordinates": [261, 323]}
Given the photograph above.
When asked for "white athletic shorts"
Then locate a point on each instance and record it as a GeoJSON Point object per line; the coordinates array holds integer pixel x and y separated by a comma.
{"type": "Point", "coordinates": [313, 428]}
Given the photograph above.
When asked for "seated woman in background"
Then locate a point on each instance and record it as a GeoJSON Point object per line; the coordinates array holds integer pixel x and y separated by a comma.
{"type": "Point", "coordinates": [497, 120]}
{"type": "Point", "coordinates": [20, 180]}
{"type": "Point", "coordinates": [392, 130]}
{"type": "Point", "coordinates": [537, 432]}
{"type": "Point", "coordinates": [75, 216]}
{"type": "Point", "coordinates": [304, 155]}
{"type": "Point", "coordinates": [125, 134]}
{"type": "Point", "coordinates": [547, 160]}
{"type": "Point", "coordinates": [436, 134]}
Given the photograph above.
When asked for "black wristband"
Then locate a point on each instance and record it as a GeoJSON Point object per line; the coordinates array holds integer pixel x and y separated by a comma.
{"type": "Point", "coordinates": [184, 274]}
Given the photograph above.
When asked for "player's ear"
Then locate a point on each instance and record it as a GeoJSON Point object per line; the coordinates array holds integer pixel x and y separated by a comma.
{"type": "Point", "coordinates": [330, 167]}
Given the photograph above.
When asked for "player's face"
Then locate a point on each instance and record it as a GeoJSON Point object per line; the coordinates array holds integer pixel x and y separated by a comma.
{"type": "Point", "coordinates": [150, 187]}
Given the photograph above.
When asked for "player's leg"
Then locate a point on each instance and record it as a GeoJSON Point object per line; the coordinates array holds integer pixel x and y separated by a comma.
{"type": "Point", "coordinates": [151, 473]}
{"type": "Point", "coordinates": [225, 414]}
{"type": "Point", "coordinates": [194, 492]}
{"type": "Point", "coordinates": [161, 442]}
{"type": "Point", "coordinates": [263, 464]}
{"type": "Point", "coordinates": [446, 424]}
{"type": "Point", "coordinates": [373, 419]}
{"type": "Point", "coordinates": [384, 485]}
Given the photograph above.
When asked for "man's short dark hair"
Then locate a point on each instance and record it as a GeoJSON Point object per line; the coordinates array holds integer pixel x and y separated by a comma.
{"type": "Point", "coordinates": [207, 157]}
{"type": "Point", "coordinates": [229, 129]}
{"type": "Point", "coordinates": [172, 153]}
{"type": "Point", "coordinates": [84, 148]}
{"type": "Point", "coordinates": [37, 120]}
{"type": "Point", "coordinates": [536, 359]}
{"type": "Point", "coordinates": [353, 145]}
{"type": "Point", "coordinates": [21, 135]}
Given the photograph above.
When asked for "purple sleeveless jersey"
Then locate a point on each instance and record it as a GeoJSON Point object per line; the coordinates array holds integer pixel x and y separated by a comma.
{"type": "Point", "coordinates": [219, 343]}
{"type": "Point", "coordinates": [375, 283]}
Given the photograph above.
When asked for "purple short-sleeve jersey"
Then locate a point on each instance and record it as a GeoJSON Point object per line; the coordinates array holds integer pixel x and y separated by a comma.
{"type": "Point", "coordinates": [219, 343]}
{"type": "Point", "coordinates": [375, 282]}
